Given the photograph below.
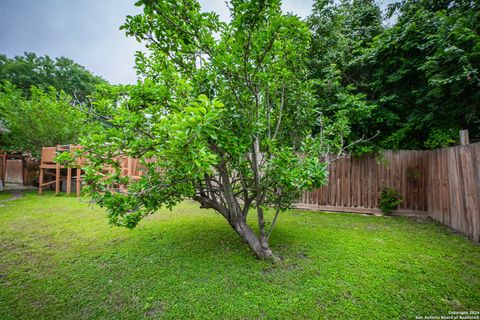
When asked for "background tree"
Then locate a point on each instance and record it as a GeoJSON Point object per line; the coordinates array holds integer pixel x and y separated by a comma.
{"type": "Point", "coordinates": [44, 72]}
{"type": "Point", "coordinates": [423, 73]}
{"type": "Point", "coordinates": [341, 32]}
{"type": "Point", "coordinates": [44, 119]}
{"type": "Point", "coordinates": [418, 78]}
{"type": "Point", "coordinates": [224, 116]}
{"type": "Point", "coordinates": [40, 99]}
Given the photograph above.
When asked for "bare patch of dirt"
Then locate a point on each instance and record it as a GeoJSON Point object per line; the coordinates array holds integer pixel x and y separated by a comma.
{"type": "Point", "coordinates": [347, 295]}
{"type": "Point", "coordinates": [302, 256]}
{"type": "Point", "coordinates": [155, 310]}
{"type": "Point", "coordinates": [453, 303]}
{"type": "Point", "coordinates": [420, 219]}
{"type": "Point", "coordinates": [372, 227]}
{"type": "Point", "coordinates": [267, 271]}
{"type": "Point", "coordinates": [37, 304]}
{"type": "Point", "coordinates": [290, 266]}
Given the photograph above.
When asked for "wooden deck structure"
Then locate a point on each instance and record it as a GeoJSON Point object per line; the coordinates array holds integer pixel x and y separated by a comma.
{"type": "Point", "coordinates": [52, 173]}
{"type": "Point", "coordinates": [48, 164]}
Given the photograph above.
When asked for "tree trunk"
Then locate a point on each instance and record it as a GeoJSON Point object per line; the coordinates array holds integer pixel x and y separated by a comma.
{"type": "Point", "coordinates": [261, 241]}
{"type": "Point", "coordinates": [230, 209]}
{"type": "Point", "coordinates": [262, 250]}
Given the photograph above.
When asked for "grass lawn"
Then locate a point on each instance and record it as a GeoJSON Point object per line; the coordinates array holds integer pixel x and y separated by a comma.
{"type": "Point", "coordinates": [61, 260]}
{"type": "Point", "coordinates": [5, 195]}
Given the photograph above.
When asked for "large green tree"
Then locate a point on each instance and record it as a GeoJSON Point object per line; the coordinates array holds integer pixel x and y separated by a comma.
{"type": "Point", "coordinates": [341, 32]}
{"type": "Point", "coordinates": [224, 116]}
{"type": "Point", "coordinates": [418, 77]}
{"type": "Point", "coordinates": [45, 119]}
{"type": "Point", "coordinates": [423, 73]}
{"type": "Point", "coordinates": [44, 72]}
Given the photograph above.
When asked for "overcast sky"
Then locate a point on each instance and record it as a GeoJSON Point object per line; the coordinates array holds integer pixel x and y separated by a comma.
{"type": "Point", "coordinates": [87, 31]}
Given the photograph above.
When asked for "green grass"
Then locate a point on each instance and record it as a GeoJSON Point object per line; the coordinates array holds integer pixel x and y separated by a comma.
{"type": "Point", "coordinates": [5, 195]}
{"type": "Point", "coordinates": [61, 260]}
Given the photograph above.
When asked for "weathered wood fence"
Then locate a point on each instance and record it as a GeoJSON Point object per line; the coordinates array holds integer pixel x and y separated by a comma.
{"type": "Point", "coordinates": [453, 196]}
{"type": "Point", "coordinates": [443, 184]}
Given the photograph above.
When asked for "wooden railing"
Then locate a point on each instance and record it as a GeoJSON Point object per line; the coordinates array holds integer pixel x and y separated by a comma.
{"type": "Point", "coordinates": [52, 173]}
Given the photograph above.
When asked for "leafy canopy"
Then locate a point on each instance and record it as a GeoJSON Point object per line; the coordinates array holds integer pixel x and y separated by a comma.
{"type": "Point", "coordinates": [416, 81]}
{"type": "Point", "coordinates": [341, 32]}
{"type": "Point", "coordinates": [44, 119]}
{"type": "Point", "coordinates": [44, 72]}
{"type": "Point", "coordinates": [425, 73]}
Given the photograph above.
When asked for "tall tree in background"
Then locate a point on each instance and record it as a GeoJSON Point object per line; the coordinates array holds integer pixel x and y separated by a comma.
{"type": "Point", "coordinates": [224, 116]}
{"type": "Point", "coordinates": [423, 73]}
{"type": "Point", "coordinates": [44, 119]}
{"type": "Point", "coordinates": [418, 78]}
{"type": "Point", "coordinates": [340, 34]}
{"type": "Point", "coordinates": [61, 73]}
{"type": "Point", "coordinates": [40, 100]}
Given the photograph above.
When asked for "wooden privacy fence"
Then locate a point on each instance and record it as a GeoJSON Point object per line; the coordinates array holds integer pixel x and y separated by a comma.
{"type": "Point", "coordinates": [443, 184]}
{"type": "Point", "coordinates": [454, 188]}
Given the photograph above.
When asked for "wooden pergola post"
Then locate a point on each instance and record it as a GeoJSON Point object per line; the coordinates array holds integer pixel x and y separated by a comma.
{"type": "Point", "coordinates": [48, 163]}
{"type": "Point", "coordinates": [69, 180]}
{"type": "Point", "coordinates": [78, 182]}
{"type": "Point", "coordinates": [57, 179]}
{"type": "Point", "coordinates": [40, 181]}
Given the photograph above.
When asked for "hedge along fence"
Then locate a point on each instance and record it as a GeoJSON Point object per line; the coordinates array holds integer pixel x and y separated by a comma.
{"type": "Point", "coordinates": [443, 184]}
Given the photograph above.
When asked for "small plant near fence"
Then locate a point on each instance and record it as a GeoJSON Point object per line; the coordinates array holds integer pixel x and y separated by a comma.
{"type": "Point", "coordinates": [390, 198]}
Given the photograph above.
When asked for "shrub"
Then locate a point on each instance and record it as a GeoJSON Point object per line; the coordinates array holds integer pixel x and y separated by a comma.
{"type": "Point", "coordinates": [46, 118]}
{"type": "Point", "coordinates": [389, 200]}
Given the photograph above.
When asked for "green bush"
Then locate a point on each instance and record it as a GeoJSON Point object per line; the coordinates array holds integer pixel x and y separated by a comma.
{"type": "Point", "coordinates": [389, 200]}
{"type": "Point", "coordinates": [46, 118]}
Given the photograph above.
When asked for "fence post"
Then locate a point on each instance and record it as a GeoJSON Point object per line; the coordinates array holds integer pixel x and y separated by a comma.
{"type": "Point", "coordinates": [464, 139]}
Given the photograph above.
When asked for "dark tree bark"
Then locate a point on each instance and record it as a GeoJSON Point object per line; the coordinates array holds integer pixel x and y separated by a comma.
{"type": "Point", "coordinates": [221, 198]}
{"type": "Point", "coordinates": [217, 193]}
{"type": "Point", "coordinates": [261, 248]}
